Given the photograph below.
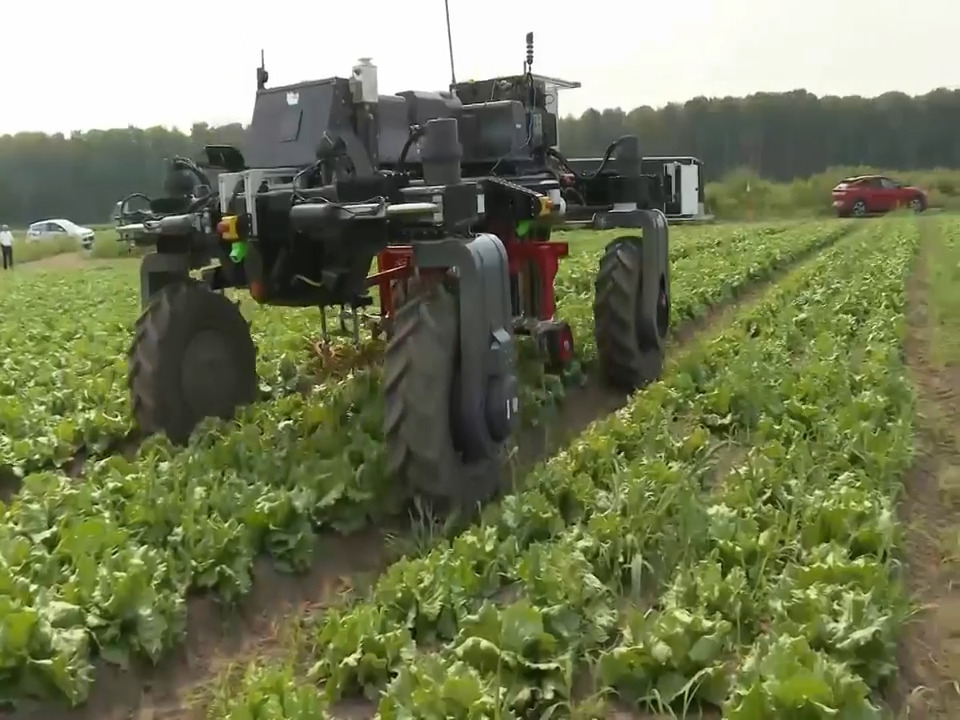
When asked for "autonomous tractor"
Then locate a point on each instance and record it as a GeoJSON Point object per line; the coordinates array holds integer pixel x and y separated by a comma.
{"type": "Point", "coordinates": [447, 205]}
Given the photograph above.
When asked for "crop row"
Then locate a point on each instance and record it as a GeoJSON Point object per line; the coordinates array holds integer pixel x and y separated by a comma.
{"type": "Point", "coordinates": [718, 272]}
{"type": "Point", "coordinates": [63, 383]}
{"type": "Point", "coordinates": [723, 263]}
{"type": "Point", "coordinates": [103, 566]}
{"type": "Point", "coordinates": [725, 540]}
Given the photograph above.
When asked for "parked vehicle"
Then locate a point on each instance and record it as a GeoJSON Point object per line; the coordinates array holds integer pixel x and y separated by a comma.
{"type": "Point", "coordinates": [871, 194]}
{"type": "Point", "coordinates": [46, 230]}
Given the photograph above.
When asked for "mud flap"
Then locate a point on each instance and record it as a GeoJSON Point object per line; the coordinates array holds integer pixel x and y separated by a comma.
{"type": "Point", "coordinates": [488, 402]}
{"type": "Point", "coordinates": [631, 310]}
{"type": "Point", "coordinates": [651, 324]}
{"type": "Point", "coordinates": [656, 265]}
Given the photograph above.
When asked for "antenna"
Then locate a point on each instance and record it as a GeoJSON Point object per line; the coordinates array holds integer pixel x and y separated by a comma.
{"type": "Point", "coordinates": [453, 72]}
{"type": "Point", "coordinates": [262, 74]}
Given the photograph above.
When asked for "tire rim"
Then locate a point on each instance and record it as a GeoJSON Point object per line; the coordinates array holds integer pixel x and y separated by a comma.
{"type": "Point", "coordinates": [915, 204]}
{"type": "Point", "coordinates": [663, 313]}
{"type": "Point", "coordinates": [859, 208]}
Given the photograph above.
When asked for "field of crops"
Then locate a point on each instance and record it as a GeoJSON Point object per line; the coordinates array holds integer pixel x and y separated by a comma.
{"type": "Point", "coordinates": [727, 542]}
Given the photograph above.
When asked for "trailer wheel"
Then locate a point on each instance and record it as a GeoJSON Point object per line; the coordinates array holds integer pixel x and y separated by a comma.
{"type": "Point", "coordinates": [629, 334]}
{"type": "Point", "coordinates": [192, 357]}
{"type": "Point", "coordinates": [421, 368]}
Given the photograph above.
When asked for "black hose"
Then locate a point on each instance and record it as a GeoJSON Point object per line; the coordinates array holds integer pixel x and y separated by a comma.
{"type": "Point", "coordinates": [310, 169]}
{"type": "Point", "coordinates": [202, 202]}
{"type": "Point", "coordinates": [196, 170]}
{"type": "Point", "coordinates": [560, 158]}
{"type": "Point", "coordinates": [568, 192]}
{"type": "Point", "coordinates": [128, 198]}
{"type": "Point", "coordinates": [296, 196]}
{"type": "Point", "coordinates": [607, 156]}
{"type": "Point", "coordinates": [416, 132]}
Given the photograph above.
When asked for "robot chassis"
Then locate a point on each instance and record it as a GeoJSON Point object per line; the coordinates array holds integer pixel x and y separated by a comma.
{"type": "Point", "coordinates": [455, 195]}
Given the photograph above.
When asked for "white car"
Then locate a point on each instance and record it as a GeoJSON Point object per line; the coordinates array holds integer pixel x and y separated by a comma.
{"type": "Point", "coordinates": [53, 229]}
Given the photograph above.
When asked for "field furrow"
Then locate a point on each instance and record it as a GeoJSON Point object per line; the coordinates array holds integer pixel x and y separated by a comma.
{"type": "Point", "coordinates": [102, 567]}
{"type": "Point", "coordinates": [726, 541]}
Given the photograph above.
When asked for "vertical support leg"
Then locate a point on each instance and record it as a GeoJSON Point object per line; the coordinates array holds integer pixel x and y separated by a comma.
{"type": "Point", "coordinates": [158, 270]}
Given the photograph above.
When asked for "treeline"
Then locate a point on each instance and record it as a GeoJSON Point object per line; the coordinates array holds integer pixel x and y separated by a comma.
{"type": "Point", "coordinates": [778, 136]}
{"type": "Point", "coordinates": [81, 177]}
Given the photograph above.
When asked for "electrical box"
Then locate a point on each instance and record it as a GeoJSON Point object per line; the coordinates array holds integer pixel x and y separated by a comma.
{"type": "Point", "coordinates": [363, 82]}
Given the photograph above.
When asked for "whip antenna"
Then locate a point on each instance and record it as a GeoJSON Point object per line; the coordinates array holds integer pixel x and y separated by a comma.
{"type": "Point", "coordinates": [453, 73]}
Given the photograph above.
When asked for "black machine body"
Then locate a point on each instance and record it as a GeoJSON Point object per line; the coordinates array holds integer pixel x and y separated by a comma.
{"type": "Point", "coordinates": [455, 195]}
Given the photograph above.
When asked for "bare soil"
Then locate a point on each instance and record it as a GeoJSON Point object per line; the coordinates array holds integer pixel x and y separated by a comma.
{"type": "Point", "coordinates": [218, 639]}
{"type": "Point", "coordinates": [930, 509]}
{"type": "Point", "coordinates": [70, 261]}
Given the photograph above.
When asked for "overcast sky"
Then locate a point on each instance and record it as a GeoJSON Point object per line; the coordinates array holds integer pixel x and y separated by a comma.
{"type": "Point", "coordinates": [112, 63]}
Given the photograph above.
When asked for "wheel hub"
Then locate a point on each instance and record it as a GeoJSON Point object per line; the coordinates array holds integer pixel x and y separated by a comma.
{"type": "Point", "coordinates": [207, 375]}
{"type": "Point", "coordinates": [663, 313]}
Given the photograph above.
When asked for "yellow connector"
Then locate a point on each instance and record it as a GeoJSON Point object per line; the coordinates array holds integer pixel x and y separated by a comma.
{"type": "Point", "coordinates": [227, 228]}
{"type": "Point", "coordinates": [546, 205]}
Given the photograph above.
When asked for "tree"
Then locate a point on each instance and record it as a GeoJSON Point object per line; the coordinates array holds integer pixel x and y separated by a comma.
{"type": "Point", "coordinates": [777, 135]}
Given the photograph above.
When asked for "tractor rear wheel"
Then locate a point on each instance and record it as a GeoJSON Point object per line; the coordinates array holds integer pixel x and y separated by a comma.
{"type": "Point", "coordinates": [192, 357]}
{"type": "Point", "coordinates": [421, 376]}
{"type": "Point", "coordinates": [629, 333]}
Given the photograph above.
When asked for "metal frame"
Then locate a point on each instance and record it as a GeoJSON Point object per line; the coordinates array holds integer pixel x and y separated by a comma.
{"type": "Point", "coordinates": [227, 183]}
{"type": "Point", "coordinates": [553, 87]}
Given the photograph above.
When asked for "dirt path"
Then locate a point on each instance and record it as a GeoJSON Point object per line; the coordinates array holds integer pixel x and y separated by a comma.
{"type": "Point", "coordinates": [63, 261]}
{"type": "Point", "coordinates": [70, 261]}
{"type": "Point", "coordinates": [930, 648]}
{"type": "Point", "coordinates": [217, 640]}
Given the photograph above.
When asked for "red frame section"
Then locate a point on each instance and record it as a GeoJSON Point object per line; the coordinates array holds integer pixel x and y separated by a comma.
{"type": "Point", "coordinates": [396, 263]}
{"type": "Point", "coordinates": [545, 255]}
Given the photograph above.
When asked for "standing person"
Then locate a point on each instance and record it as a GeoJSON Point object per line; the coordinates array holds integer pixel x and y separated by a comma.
{"type": "Point", "coordinates": [6, 246]}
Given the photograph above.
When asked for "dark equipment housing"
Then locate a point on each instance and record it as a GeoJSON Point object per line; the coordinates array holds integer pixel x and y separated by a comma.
{"type": "Point", "coordinates": [456, 196]}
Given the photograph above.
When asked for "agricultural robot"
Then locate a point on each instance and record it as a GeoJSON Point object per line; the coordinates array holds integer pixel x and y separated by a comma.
{"type": "Point", "coordinates": [454, 194]}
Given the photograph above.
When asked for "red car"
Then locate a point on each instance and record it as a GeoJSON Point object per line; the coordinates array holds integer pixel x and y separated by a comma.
{"type": "Point", "coordinates": [869, 194]}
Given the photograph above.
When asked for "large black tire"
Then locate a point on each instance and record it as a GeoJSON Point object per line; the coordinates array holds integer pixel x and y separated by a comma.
{"type": "Point", "coordinates": [401, 291]}
{"type": "Point", "coordinates": [630, 337]}
{"type": "Point", "coordinates": [192, 357]}
{"type": "Point", "coordinates": [420, 381]}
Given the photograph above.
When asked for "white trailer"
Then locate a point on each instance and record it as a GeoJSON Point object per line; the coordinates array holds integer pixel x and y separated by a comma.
{"type": "Point", "coordinates": [683, 185]}
{"type": "Point", "coordinates": [681, 178]}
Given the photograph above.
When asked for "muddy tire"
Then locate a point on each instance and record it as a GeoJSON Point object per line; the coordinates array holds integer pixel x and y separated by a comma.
{"type": "Point", "coordinates": [192, 357]}
{"type": "Point", "coordinates": [421, 370]}
{"type": "Point", "coordinates": [630, 336]}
